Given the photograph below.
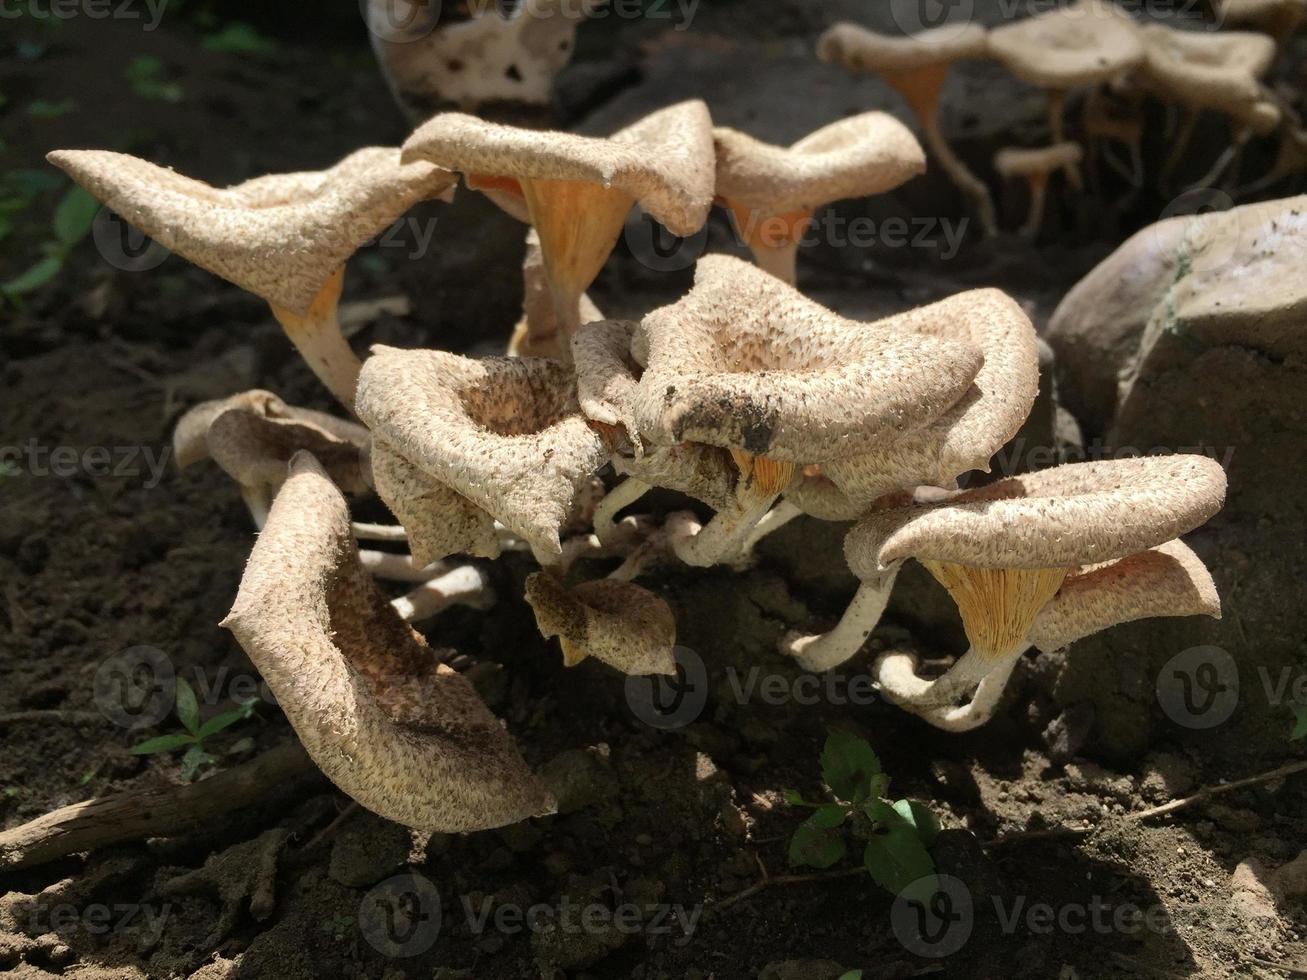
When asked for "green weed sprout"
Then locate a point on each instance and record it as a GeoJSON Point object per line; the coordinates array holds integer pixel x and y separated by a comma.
{"type": "Point", "coordinates": [192, 739]}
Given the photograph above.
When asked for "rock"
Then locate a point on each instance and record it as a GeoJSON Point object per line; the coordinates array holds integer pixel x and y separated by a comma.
{"type": "Point", "coordinates": [367, 849]}
{"type": "Point", "coordinates": [1165, 777]}
{"type": "Point", "coordinates": [802, 970]}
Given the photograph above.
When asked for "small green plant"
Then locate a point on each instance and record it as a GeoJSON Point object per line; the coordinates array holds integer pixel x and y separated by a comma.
{"type": "Point", "coordinates": [72, 221]}
{"type": "Point", "coordinates": [147, 78]}
{"type": "Point", "coordinates": [1299, 722]}
{"type": "Point", "coordinates": [192, 739]}
{"type": "Point", "coordinates": [897, 833]}
{"type": "Point", "coordinates": [240, 38]}
{"type": "Point", "coordinates": [852, 975]}
{"type": "Point", "coordinates": [45, 109]}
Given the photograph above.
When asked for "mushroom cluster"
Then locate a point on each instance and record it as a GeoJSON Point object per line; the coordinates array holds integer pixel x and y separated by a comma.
{"type": "Point", "coordinates": [751, 401]}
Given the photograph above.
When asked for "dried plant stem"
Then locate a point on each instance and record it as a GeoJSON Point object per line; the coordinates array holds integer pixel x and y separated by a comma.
{"type": "Point", "coordinates": [768, 879]}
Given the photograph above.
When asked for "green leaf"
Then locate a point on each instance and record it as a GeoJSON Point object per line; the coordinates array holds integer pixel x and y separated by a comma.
{"type": "Point", "coordinates": [188, 708]}
{"type": "Point", "coordinates": [194, 758]}
{"type": "Point", "coordinates": [45, 109]}
{"type": "Point", "coordinates": [239, 38]}
{"type": "Point", "coordinates": [73, 216]}
{"type": "Point", "coordinates": [899, 862]}
{"type": "Point", "coordinates": [228, 718]}
{"type": "Point", "coordinates": [164, 743]}
{"type": "Point", "coordinates": [1299, 722]}
{"type": "Point", "coordinates": [849, 766]}
{"type": "Point", "coordinates": [919, 815]}
{"type": "Point", "coordinates": [241, 746]}
{"type": "Point", "coordinates": [852, 975]}
{"type": "Point", "coordinates": [34, 278]}
{"type": "Point", "coordinates": [816, 842]}
{"type": "Point", "coordinates": [792, 797]}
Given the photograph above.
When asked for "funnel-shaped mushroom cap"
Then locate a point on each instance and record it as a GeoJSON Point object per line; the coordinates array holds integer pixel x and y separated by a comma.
{"type": "Point", "coordinates": [1207, 70]}
{"type": "Point", "coordinates": [1259, 11]}
{"type": "Point", "coordinates": [254, 450]}
{"type": "Point", "coordinates": [190, 437]}
{"type": "Point", "coordinates": [665, 160]}
{"type": "Point", "coordinates": [606, 375]}
{"type": "Point", "coordinates": [866, 154]}
{"type": "Point", "coordinates": [1085, 43]}
{"type": "Point", "coordinates": [990, 413]}
{"type": "Point", "coordinates": [280, 237]}
{"type": "Point", "coordinates": [506, 433]}
{"type": "Point", "coordinates": [858, 48]}
{"type": "Point", "coordinates": [1064, 517]}
{"type": "Point", "coordinates": [1168, 580]}
{"type": "Point", "coordinates": [744, 361]}
{"type": "Point", "coordinates": [620, 623]}
{"type": "Point", "coordinates": [1039, 161]}
{"type": "Point", "coordinates": [388, 723]}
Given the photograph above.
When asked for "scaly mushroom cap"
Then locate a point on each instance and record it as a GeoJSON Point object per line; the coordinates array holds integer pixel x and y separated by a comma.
{"type": "Point", "coordinates": [280, 237]}
{"type": "Point", "coordinates": [966, 436]}
{"type": "Point", "coordinates": [1204, 70]}
{"type": "Point", "coordinates": [746, 362]}
{"type": "Point", "coordinates": [1021, 162]}
{"type": "Point", "coordinates": [1083, 44]}
{"type": "Point", "coordinates": [505, 432]}
{"type": "Point", "coordinates": [866, 154]}
{"type": "Point", "coordinates": [622, 624]}
{"type": "Point", "coordinates": [665, 160]}
{"type": "Point", "coordinates": [1168, 580]}
{"type": "Point", "coordinates": [860, 49]}
{"type": "Point", "coordinates": [254, 450]}
{"type": "Point", "coordinates": [385, 721]}
{"type": "Point", "coordinates": [1059, 518]}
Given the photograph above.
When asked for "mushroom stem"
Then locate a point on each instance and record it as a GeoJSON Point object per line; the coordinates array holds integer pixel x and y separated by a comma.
{"type": "Point", "coordinates": [1181, 142]}
{"type": "Point", "coordinates": [1038, 200]}
{"type": "Point", "coordinates": [1057, 128]}
{"type": "Point", "coordinates": [317, 336]}
{"type": "Point", "coordinates": [723, 538]}
{"type": "Point", "coordinates": [1228, 161]}
{"type": "Point", "coordinates": [466, 585]}
{"type": "Point", "coordinates": [397, 568]}
{"type": "Point", "coordinates": [623, 495]}
{"type": "Point", "coordinates": [896, 673]}
{"type": "Point", "coordinates": [823, 651]}
{"type": "Point", "coordinates": [379, 532]}
{"type": "Point", "coordinates": [772, 238]}
{"type": "Point", "coordinates": [773, 520]}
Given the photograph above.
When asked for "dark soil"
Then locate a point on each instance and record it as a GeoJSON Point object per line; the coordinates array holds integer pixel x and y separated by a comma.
{"type": "Point", "coordinates": [92, 565]}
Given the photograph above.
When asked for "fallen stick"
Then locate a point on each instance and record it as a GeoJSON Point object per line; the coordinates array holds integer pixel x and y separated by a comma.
{"type": "Point", "coordinates": [164, 811]}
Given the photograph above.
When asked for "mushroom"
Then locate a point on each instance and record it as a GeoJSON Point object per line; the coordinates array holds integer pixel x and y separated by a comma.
{"type": "Point", "coordinates": [1087, 43]}
{"type": "Point", "coordinates": [1201, 71]}
{"type": "Point", "coordinates": [1278, 18]}
{"type": "Point", "coordinates": [1115, 113]}
{"type": "Point", "coordinates": [746, 364]}
{"type": "Point", "coordinates": [1037, 166]}
{"type": "Point", "coordinates": [504, 433]}
{"type": "Point", "coordinates": [282, 237]}
{"type": "Point", "coordinates": [916, 67]}
{"type": "Point", "coordinates": [772, 191]}
{"type": "Point", "coordinates": [1025, 559]}
{"type": "Point", "coordinates": [539, 319]}
{"type": "Point", "coordinates": [579, 189]}
{"type": "Point", "coordinates": [385, 720]}
{"type": "Point", "coordinates": [620, 623]}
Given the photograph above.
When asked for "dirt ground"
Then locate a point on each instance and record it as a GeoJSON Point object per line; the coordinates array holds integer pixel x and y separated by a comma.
{"type": "Point", "coordinates": [106, 560]}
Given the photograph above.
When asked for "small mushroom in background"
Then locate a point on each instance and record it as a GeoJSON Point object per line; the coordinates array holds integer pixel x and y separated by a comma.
{"type": "Point", "coordinates": [772, 191]}
{"type": "Point", "coordinates": [1204, 71]}
{"type": "Point", "coordinates": [1086, 44]}
{"type": "Point", "coordinates": [1037, 166]}
{"type": "Point", "coordinates": [1278, 18]}
{"type": "Point", "coordinates": [1290, 159]}
{"type": "Point", "coordinates": [916, 67]}
{"type": "Point", "coordinates": [1114, 114]}
{"type": "Point", "coordinates": [620, 623]}
{"type": "Point", "coordinates": [283, 237]}
{"type": "Point", "coordinates": [1041, 559]}
{"type": "Point", "coordinates": [499, 435]}
{"type": "Point", "coordinates": [578, 190]}
{"type": "Point", "coordinates": [487, 62]}
{"type": "Point", "coordinates": [385, 720]}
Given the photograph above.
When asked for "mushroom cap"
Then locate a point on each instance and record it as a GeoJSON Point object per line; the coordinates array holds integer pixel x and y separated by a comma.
{"type": "Point", "coordinates": [665, 160]}
{"type": "Point", "coordinates": [1257, 11]}
{"type": "Point", "coordinates": [1084, 43]}
{"type": "Point", "coordinates": [1207, 70]}
{"type": "Point", "coordinates": [1064, 517]}
{"type": "Point", "coordinates": [190, 436]}
{"type": "Point", "coordinates": [865, 154]}
{"type": "Point", "coordinates": [621, 623]}
{"type": "Point", "coordinates": [861, 49]}
{"type": "Point", "coordinates": [505, 432]}
{"type": "Point", "coordinates": [1014, 161]}
{"type": "Point", "coordinates": [990, 413]}
{"type": "Point", "coordinates": [606, 374]}
{"type": "Point", "coordinates": [280, 236]}
{"type": "Point", "coordinates": [745, 361]}
{"type": "Point", "coordinates": [1169, 580]}
{"type": "Point", "coordinates": [254, 450]}
{"type": "Point", "coordinates": [376, 710]}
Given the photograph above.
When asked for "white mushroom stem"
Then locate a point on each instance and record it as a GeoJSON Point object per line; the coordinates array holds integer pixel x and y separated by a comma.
{"type": "Point", "coordinates": [772, 238]}
{"type": "Point", "coordinates": [722, 539]}
{"type": "Point", "coordinates": [621, 496]}
{"type": "Point", "coordinates": [258, 500]}
{"type": "Point", "coordinates": [391, 533]}
{"type": "Point", "coordinates": [317, 336]}
{"type": "Point", "coordinates": [826, 650]}
{"type": "Point", "coordinates": [1038, 202]}
{"type": "Point", "coordinates": [397, 568]}
{"type": "Point", "coordinates": [466, 585]}
{"type": "Point", "coordinates": [1057, 127]}
{"type": "Point", "coordinates": [896, 673]}
{"type": "Point", "coordinates": [773, 520]}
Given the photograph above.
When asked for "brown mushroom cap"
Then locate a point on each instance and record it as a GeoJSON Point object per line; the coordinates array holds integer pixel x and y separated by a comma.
{"type": "Point", "coordinates": [387, 722]}
{"type": "Point", "coordinates": [606, 374]}
{"type": "Point", "coordinates": [1064, 517]}
{"type": "Point", "coordinates": [1082, 44]}
{"type": "Point", "coordinates": [1207, 70]}
{"type": "Point", "coordinates": [665, 160]}
{"type": "Point", "coordinates": [744, 361]}
{"type": "Point", "coordinates": [856, 47]}
{"type": "Point", "coordinates": [1022, 162]}
{"type": "Point", "coordinates": [622, 624]}
{"type": "Point", "coordinates": [506, 433]}
{"type": "Point", "coordinates": [280, 237]}
{"type": "Point", "coordinates": [865, 154]}
{"type": "Point", "coordinates": [254, 450]}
